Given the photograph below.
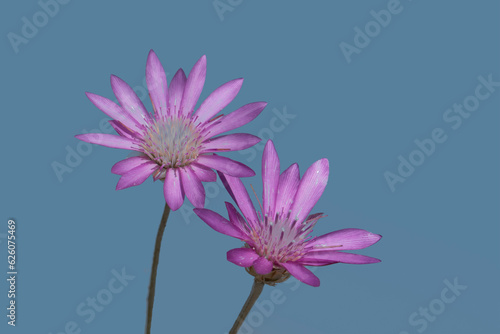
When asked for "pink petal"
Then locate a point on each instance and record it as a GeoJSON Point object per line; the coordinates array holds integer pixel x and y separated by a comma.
{"type": "Point", "coordinates": [225, 165]}
{"type": "Point", "coordinates": [122, 130]}
{"type": "Point", "coordinates": [270, 178]}
{"type": "Point", "coordinates": [287, 188]}
{"type": "Point", "coordinates": [129, 100]}
{"type": "Point", "coordinates": [263, 266]}
{"type": "Point", "coordinates": [237, 191]}
{"type": "Point", "coordinates": [243, 257]}
{"type": "Point", "coordinates": [172, 189]}
{"type": "Point", "coordinates": [314, 262]}
{"type": "Point", "coordinates": [137, 175]}
{"type": "Point", "coordinates": [157, 83]}
{"type": "Point", "coordinates": [110, 141]}
{"type": "Point", "coordinates": [236, 219]}
{"type": "Point", "coordinates": [301, 273]}
{"type": "Point", "coordinates": [194, 86]}
{"type": "Point", "coordinates": [114, 111]}
{"type": "Point", "coordinates": [334, 256]}
{"type": "Point", "coordinates": [218, 100]}
{"type": "Point", "coordinates": [176, 91]}
{"type": "Point", "coordinates": [218, 223]}
{"type": "Point", "coordinates": [232, 142]}
{"type": "Point", "coordinates": [205, 174]}
{"type": "Point", "coordinates": [235, 119]}
{"type": "Point", "coordinates": [310, 189]}
{"type": "Point", "coordinates": [192, 187]}
{"type": "Point", "coordinates": [124, 166]}
{"type": "Point", "coordinates": [346, 239]}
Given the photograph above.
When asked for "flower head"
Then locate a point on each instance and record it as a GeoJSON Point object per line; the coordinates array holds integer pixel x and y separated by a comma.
{"type": "Point", "coordinates": [278, 239]}
{"type": "Point", "coordinates": [174, 143]}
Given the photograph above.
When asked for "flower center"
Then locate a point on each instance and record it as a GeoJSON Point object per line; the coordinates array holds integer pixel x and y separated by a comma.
{"type": "Point", "coordinates": [172, 142]}
{"type": "Point", "coordinates": [282, 239]}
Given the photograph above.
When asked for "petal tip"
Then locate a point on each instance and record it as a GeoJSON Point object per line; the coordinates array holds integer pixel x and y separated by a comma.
{"type": "Point", "coordinates": [316, 284]}
{"type": "Point", "coordinates": [269, 145]}
{"type": "Point", "coordinates": [116, 80]}
{"type": "Point", "coordinates": [202, 61]}
{"type": "Point", "coordinates": [152, 56]}
{"type": "Point", "coordinates": [176, 206]}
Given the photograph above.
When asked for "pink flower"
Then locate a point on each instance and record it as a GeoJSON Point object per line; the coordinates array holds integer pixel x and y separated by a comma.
{"type": "Point", "coordinates": [175, 144]}
{"type": "Point", "coordinates": [277, 239]}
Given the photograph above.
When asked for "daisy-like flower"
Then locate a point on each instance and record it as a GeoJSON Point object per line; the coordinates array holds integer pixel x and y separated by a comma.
{"type": "Point", "coordinates": [278, 239]}
{"type": "Point", "coordinates": [175, 144]}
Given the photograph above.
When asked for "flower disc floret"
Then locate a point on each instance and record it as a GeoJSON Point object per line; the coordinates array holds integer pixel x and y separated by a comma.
{"type": "Point", "coordinates": [172, 142]}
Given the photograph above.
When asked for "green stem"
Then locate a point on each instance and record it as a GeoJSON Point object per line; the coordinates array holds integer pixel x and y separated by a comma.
{"type": "Point", "coordinates": [154, 268]}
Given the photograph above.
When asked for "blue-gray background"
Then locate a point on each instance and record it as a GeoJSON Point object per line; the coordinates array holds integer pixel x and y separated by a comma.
{"type": "Point", "coordinates": [440, 224]}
